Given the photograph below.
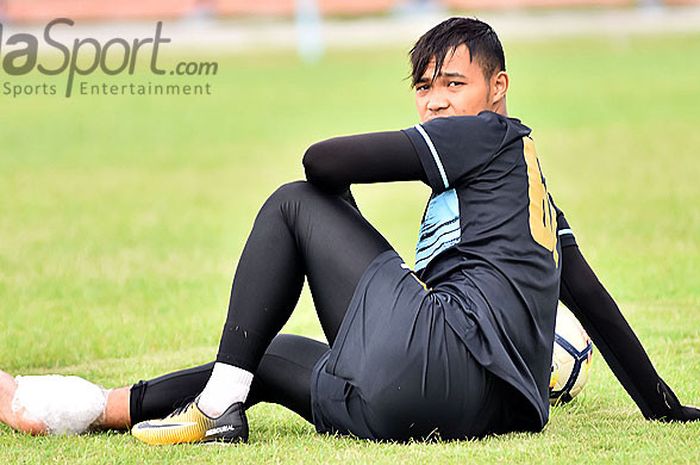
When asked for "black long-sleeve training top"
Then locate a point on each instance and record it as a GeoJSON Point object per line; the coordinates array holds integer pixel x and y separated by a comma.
{"type": "Point", "coordinates": [337, 163]}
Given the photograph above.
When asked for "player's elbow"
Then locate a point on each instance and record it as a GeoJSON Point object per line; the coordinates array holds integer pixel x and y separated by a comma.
{"type": "Point", "coordinates": [312, 162]}
{"type": "Point", "coordinates": [318, 166]}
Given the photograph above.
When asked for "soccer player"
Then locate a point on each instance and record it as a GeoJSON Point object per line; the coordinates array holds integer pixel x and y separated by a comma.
{"type": "Point", "coordinates": [461, 346]}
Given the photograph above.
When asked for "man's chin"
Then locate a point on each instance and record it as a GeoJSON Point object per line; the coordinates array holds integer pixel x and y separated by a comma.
{"type": "Point", "coordinates": [441, 115]}
{"type": "Point", "coordinates": [429, 118]}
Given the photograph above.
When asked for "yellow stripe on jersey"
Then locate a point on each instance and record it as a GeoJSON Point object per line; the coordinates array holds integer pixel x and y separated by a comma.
{"type": "Point", "coordinates": [543, 218]}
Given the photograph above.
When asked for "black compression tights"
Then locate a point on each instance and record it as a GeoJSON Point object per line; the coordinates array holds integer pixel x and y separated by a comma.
{"type": "Point", "coordinates": [283, 377]}
{"type": "Point", "coordinates": [299, 232]}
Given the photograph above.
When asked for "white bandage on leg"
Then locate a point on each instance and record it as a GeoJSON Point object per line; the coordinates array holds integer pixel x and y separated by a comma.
{"type": "Point", "coordinates": [65, 404]}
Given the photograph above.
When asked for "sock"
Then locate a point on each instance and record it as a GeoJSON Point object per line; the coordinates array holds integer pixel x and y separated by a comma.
{"type": "Point", "coordinates": [227, 385]}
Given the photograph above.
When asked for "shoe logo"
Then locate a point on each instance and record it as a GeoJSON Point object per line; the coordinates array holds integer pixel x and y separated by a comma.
{"type": "Point", "coordinates": [167, 425]}
{"type": "Point", "coordinates": [220, 429]}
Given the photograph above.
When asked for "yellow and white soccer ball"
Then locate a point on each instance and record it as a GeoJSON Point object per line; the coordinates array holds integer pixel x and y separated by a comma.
{"type": "Point", "coordinates": [571, 359]}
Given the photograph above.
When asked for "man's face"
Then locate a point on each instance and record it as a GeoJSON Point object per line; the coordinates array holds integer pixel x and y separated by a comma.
{"type": "Point", "coordinates": [459, 90]}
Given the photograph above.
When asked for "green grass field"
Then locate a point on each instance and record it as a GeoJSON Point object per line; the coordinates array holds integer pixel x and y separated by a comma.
{"type": "Point", "coordinates": [122, 219]}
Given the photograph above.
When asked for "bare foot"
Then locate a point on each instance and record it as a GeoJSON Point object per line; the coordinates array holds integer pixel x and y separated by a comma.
{"type": "Point", "coordinates": [16, 420]}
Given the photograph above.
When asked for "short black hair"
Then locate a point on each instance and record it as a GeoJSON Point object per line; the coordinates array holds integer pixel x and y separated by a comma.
{"type": "Point", "coordinates": [479, 37]}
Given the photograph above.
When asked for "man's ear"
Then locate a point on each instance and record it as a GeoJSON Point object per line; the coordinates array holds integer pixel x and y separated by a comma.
{"type": "Point", "coordinates": [499, 86]}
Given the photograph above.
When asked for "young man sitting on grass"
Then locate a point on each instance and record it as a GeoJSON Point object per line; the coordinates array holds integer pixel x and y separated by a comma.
{"type": "Point", "coordinates": [459, 347]}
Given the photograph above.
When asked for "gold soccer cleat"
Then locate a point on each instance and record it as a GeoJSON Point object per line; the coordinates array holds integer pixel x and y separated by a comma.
{"type": "Point", "coordinates": [189, 424]}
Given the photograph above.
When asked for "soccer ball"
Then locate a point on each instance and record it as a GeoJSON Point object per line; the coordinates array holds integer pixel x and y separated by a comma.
{"type": "Point", "coordinates": [571, 359]}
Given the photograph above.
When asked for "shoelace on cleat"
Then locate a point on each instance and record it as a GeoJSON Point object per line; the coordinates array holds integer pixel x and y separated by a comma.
{"type": "Point", "coordinates": [180, 409]}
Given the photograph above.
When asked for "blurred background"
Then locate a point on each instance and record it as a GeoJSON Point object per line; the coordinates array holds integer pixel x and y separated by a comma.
{"type": "Point", "coordinates": [310, 25]}
{"type": "Point", "coordinates": [122, 216]}
{"type": "Point", "coordinates": [32, 10]}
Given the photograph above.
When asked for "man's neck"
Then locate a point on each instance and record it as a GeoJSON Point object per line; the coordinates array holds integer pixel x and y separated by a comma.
{"type": "Point", "coordinates": [501, 108]}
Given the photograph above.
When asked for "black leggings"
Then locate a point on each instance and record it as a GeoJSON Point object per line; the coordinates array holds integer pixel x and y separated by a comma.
{"type": "Point", "coordinates": [283, 377]}
{"type": "Point", "coordinates": [299, 232]}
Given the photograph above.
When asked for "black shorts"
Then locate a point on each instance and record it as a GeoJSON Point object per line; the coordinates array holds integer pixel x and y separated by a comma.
{"type": "Point", "coordinates": [398, 370]}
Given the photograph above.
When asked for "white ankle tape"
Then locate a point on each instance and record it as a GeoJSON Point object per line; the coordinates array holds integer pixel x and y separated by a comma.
{"type": "Point", "coordinates": [65, 404]}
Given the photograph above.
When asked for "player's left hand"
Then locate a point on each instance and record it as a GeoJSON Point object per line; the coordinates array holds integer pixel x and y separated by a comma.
{"type": "Point", "coordinates": [688, 413]}
{"type": "Point", "coordinates": [681, 413]}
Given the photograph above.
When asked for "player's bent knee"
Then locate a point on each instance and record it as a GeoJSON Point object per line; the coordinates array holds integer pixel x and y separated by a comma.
{"type": "Point", "coordinates": [301, 192]}
{"type": "Point", "coordinates": [295, 190]}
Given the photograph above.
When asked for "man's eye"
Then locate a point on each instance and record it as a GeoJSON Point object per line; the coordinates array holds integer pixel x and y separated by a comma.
{"type": "Point", "coordinates": [455, 83]}
{"type": "Point", "coordinates": [422, 88]}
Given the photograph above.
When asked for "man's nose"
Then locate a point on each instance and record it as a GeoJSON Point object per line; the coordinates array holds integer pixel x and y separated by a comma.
{"type": "Point", "coordinates": [437, 102]}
